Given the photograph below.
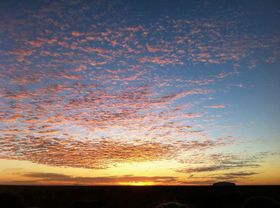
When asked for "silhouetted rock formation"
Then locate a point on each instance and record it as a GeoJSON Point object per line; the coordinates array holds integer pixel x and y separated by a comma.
{"type": "Point", "coordinates": [224, 183]}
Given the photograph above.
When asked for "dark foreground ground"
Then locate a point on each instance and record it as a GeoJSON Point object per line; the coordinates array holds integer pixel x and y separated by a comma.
{"type": "Point", "coordinates": [139, 197]}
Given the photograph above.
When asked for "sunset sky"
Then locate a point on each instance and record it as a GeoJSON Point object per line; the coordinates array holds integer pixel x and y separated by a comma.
{"type": "Point", "coordinates": [130, 92]}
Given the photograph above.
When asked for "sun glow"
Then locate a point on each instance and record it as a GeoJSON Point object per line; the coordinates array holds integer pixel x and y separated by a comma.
{"type": "Point", "coordinates": [138, 183]}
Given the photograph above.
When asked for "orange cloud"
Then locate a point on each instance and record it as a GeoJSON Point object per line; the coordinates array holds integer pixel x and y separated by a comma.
{"type": "Point", "coordinates": [48, 178]}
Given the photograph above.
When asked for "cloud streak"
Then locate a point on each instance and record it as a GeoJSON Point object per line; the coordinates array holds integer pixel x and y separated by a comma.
{"type": "Point", "coordinates": [108, 180]}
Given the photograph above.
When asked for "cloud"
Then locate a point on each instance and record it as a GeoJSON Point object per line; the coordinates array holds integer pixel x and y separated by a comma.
{"type": "Point", "coordinates": [215, 106]}
{"type": "Point", "coordinates": [88, 153]}
{"type": "Point", "coordinates": [240, 174]}
{"type": "Point", "coordinates": [234, 176]}
{"type": "Point", "coordinates": [213, 168]}
{"type": "Point", "coordinates": [39, 177]}
{"type": "Point", "coordinates": [224, 162]}
{"type": "Point", "coordinates": [76, 33]}
{"type": "Point", "coordinates": [151, 49]}
{"type": "Point", "coordinates": [211, 178]}
{"type": "Point", "coordinates": [72, 76]}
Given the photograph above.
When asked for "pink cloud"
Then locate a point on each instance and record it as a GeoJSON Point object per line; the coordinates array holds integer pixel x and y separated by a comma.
{"type": "Point", "coordinates": [215, 106]}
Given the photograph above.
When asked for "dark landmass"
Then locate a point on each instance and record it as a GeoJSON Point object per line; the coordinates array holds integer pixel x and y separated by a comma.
{"type": "Point", "coordinates": [139, 197]}
{"type": "Point", "coordinates": [224, 184]}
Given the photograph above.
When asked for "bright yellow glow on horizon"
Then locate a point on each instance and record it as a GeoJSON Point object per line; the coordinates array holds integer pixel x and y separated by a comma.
{"type": "Point", "coordinates": [138, 183]}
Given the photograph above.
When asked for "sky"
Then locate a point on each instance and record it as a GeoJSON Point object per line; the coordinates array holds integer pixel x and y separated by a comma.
{"type": "Point", "coordinates": [139, 92]}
